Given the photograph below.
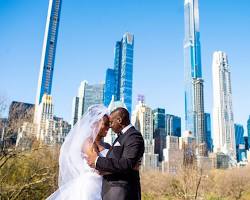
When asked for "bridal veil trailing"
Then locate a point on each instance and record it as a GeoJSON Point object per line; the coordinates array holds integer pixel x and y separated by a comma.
{"type": "Point", "coordinates": [76, 179]}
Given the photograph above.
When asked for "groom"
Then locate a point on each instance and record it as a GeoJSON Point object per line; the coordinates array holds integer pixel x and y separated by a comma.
{"type": "Point", "coordinates": [123, 180]}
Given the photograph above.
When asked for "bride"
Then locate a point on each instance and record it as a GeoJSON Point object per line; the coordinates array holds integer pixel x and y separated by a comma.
{"type": "Point", "coordinates": [77, 181]}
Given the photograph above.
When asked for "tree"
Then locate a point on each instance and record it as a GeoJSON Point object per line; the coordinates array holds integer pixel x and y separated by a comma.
{"type": "Point", "coordinates": [29, 174]}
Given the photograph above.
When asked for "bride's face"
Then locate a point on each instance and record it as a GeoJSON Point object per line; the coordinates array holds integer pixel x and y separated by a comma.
{"type": "Point", "coordinates": [104, 126]}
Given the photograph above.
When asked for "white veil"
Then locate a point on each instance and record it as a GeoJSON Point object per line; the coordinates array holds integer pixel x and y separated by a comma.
{"type": "Point", "coordinates": [71, 160]}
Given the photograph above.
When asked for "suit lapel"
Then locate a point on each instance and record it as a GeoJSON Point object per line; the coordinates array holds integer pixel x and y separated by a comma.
{"type": "Point", "coordinates": [119, 139]}
{"type": "Point", "coordinates": [111, 148]}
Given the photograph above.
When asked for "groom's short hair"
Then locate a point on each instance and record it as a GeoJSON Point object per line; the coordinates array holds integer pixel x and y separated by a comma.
{"type": "Point", "coordinates": [123, 113]}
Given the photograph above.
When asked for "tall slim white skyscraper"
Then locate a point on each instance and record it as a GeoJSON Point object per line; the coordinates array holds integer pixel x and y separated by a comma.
{"type": "Point", "coordinates": [223, 120]}
{"type": "Point", "coordinates": [49, 50]}
{"type": "Point", "coordinates": [43, 116]}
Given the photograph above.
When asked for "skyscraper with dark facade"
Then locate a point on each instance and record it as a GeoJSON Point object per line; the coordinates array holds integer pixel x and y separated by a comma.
{"type": "Point", "coordinates": [159, 127]}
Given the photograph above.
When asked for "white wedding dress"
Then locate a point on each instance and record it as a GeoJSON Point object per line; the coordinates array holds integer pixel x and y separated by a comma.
{"type": "Point", "coordinates": [88, 186]}
{"type": "Point", "coordinates": [77, 181]}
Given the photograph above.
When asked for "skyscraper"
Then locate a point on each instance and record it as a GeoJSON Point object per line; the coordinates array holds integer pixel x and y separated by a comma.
{"type": "Point", "coordinates": [88, 95]}
{"type": "Point", "coordinates": [46, 124]}
{"type": "Point", "coordinates": [127, 69]}
{"type": "Point", "coordinates": [194, 100]}
{"type": "Point", "coordinates": [223, 121]}
{"type": "Point", "coordinates": [119, 81]}
{"type": "Point", "coordinates": [142, 119]}
{"type": "Point", "coordinates": [78, 103]}
{"type": "Point", "coordinates": [49, 50]}
{"type": "Point", "coordinates": [61, 129]}
{"type": "Point", "coordinates": [117, 69]}
{"type": "Point", "coordinates": [109, 88]}
{"type": "Point", "coordinates": [123, 69]}
{"type": "Point", "coordinates": [199, 116]}
{"type": "Point", "coordinates": [81, 95]}
{"type": "Point", "coordinates": [248, 131]}
{"type": "Point", "coordinates": [159, 131]}
{"type": "Point", "coordinates": [173, 125]}
{"type": "Point", "coordinates": [209, 140]}
{"type": "Point", "coordinates": [47, 63]}
{"type": "Point", "coordinates": [239, 142]}
{"type": "Point", "coordinates": [75, 107]}
{"type": "Point", "coordinates": [93, 95]}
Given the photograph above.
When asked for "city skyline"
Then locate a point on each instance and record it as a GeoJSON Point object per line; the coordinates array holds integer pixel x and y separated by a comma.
{"type": "Point", "coordinates": [172, 101]}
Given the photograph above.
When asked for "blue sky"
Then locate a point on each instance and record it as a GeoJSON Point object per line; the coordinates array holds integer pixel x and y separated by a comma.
{"type": "Point", "coordinates": [87, 35]}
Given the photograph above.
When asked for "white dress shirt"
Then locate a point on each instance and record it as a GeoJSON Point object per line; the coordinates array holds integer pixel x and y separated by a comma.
{"type": "Point", "coordinates": [126, 128]}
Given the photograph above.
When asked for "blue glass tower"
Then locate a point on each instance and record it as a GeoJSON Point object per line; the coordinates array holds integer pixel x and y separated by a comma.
{"type": "Point", "coordinates": [127, 70]}
{"type": "Point", "coordinates": [49, 50]}
{"type": "Point", "coordinates": [109, 88]}
{"type": "Point", "coordinates": [193, 70]}
{"type": "Point", "coordinates": [123, 70]}
{"type": "Point", "coordinates": [209, 140]}
{"type": "Point", "coordinates": [239, 141]}
{"type": "Point", "coordinates": [117, 70]}
{"type": "Point", "coordinates": [173, 125]}
{"type": "Point", "coordinates": [248, 131]}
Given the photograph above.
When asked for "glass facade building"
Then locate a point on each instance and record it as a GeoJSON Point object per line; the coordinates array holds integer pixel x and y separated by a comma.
{"type": "Point", "coordinates": [159, 127]}
{"type": "Point", "coordinates": [87, 96]}
{"type": "Point", "coordinates": [240, 143]}
{"type": "Point", "coordinates": [109, 88]}
{"type": "Point", "coordinates": [127, 70]}
{"type": "Point", "coordinates": [123, 70]}
{"type": "Point", "coordinates": [248, 131]}
{"type": "Point", "coordinates": [209, 140]}
{"type": "Point", "coordinates": [119, 81]}
{"type": "Point", "coordinates": [193, 69]}
{"type": "Point", "coordinates": [49, 50]}
{"type": "Point", "coordinates": [117, 70]}
{"type": "Point", "coordinates": [173, 125]}
{"type": "Point", "coordinates": [93, 95]}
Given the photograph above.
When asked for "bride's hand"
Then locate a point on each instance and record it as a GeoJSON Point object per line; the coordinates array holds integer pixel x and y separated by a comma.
{"type": "Point", "coordinates": [91, 156]}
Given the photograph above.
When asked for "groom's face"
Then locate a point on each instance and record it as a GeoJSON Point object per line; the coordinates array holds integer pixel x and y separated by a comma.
{"type": "Point", "coordinates": [115, 122]}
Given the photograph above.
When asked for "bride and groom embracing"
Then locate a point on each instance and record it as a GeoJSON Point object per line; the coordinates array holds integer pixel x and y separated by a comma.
{"type": "Point", "coordinates": [90, 169]}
